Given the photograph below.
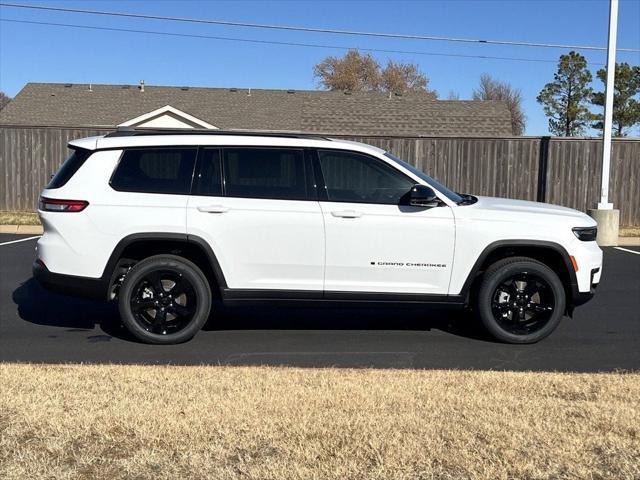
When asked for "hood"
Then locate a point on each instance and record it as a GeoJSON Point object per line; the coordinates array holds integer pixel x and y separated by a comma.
{"type": "Point", "coordinates": [505, 205]}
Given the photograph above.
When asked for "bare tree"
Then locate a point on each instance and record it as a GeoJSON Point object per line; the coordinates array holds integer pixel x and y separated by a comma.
{"type": "Point", "coordinates": [492, 89]}
{"type": "Point", "coordinates": [453, 95]}
{"type": "Point", "coordinates": [353, 72]}
{"type": "Point", "coordinates": [4, 100]}
{"type": "Point", "coordinates": [358, 72]}
{"type": "Point", "coordinates": [401, 77]}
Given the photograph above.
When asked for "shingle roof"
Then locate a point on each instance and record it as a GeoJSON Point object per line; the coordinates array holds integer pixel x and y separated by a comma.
{"type": "Point", "coordinates": [358, 113]}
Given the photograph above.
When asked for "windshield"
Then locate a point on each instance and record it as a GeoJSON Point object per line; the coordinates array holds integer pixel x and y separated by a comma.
{"type": "Point", "coordinates": [453, 196]}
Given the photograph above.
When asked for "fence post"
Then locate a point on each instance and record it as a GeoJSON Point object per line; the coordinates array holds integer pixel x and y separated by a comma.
{"type": "Point", "coordinates": [543, 165]}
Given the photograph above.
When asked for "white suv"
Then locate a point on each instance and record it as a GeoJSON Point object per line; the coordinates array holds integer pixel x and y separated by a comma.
{"type": "Point", "coordinates": [164, 222]}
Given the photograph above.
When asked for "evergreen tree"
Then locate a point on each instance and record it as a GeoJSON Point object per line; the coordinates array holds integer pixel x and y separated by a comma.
{"type": "Point", "coordinates": [626, 108]}
{"type": "Point", "coordinates": [565, 99]}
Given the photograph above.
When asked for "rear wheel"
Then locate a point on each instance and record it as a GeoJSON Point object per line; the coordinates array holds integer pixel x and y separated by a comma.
{"type": "Point", "coordinates": [521, 300]}
{"type": "Point", "coordinates": [164, 299]}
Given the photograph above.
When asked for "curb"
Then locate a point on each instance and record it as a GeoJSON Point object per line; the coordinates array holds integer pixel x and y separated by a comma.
{"type": "Point", "coordinates": [629, 241]}
{"type": "Point", "coordinates": [21, 229]}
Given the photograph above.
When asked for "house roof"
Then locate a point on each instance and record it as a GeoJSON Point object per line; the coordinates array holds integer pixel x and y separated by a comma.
{"type": "Point", "coordinates": [329, 112]}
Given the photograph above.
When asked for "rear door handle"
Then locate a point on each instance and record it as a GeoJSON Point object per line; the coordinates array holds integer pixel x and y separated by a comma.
{"type": "Point", "coordinates": [347, 214]}
{"type": "Point", "coordinates": [213, 209]}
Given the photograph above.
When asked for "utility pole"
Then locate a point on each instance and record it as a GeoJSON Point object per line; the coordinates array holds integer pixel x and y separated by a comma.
{"type": "Point", "coordinates": [608, 219]}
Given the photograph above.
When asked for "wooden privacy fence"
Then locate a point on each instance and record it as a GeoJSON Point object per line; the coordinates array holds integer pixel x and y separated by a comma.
{"type": "Point", "coordinates": [564, 171]}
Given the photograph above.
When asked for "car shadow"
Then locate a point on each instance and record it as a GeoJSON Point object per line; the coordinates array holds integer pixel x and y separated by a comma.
{"type": "Point", "coordinates": [38, 306]}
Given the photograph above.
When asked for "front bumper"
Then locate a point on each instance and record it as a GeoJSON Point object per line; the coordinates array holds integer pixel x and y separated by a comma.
{"type": "Point", "coordinates": [580, 298]}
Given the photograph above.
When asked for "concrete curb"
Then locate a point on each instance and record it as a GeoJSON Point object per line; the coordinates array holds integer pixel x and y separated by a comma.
{"type": "Point", "coordinates": [21, 229]}
{"type": "Point", "coordinates": [629, 241]}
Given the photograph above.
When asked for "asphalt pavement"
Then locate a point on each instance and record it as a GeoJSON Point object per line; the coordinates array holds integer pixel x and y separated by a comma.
{"type": "Point", "coordinates": [38, 326]}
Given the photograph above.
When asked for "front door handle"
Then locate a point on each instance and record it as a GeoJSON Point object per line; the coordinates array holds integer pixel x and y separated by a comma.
{"type": "Point", "coordinates": [347, 214]}
{"type": "Point", "coordinates": [213, 209]}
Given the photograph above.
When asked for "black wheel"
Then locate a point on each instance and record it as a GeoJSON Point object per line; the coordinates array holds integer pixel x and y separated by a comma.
{"type": "Point", "coordinates": [164, 299]}
{"type": "Point", "coordinates": [520, 300]}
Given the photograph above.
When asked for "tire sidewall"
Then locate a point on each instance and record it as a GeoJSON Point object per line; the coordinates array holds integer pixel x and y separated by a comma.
{"type": "Point", "coordinates": [191, 272]}
{"type": "Point", "coordinates": [487, 290]}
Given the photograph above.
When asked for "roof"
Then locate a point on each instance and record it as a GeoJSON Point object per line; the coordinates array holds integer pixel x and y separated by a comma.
{"type": "Point", "coordinates": [328, 112]}
{"type": "Point", "coordinates": [219, 139]}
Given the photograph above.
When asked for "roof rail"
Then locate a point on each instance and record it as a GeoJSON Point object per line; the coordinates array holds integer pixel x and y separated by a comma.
{"type": "Point", "coordinates": [135, 132]}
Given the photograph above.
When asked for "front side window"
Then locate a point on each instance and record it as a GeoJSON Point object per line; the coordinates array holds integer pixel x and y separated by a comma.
{"type": "Point", "coordinates": [155, 170]}
{"type": "Point", "coordinates": [265, 173]}
{"type": "Point", "coordinates": [453, 196]}
{"type": "Point", "coordinates": [358, 178]}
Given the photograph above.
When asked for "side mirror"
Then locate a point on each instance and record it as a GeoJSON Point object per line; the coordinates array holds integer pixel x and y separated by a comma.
{"type": "Point", "coordinates": [423, 196]}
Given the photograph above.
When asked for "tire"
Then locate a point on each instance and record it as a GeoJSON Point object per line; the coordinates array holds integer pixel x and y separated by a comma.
{"type": "Point", "coordinates": [164, 299]}
{"type": "Point", "coordinates": [520, 300]}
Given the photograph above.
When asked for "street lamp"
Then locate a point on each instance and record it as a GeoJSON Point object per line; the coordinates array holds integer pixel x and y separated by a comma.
{"type": "Point", "coordinates": [607, 217]}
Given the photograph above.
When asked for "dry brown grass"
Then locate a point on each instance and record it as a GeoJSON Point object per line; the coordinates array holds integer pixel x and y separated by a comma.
{"type": "Point", "coordinates": [109, 422]}
{"type": "Point", "coordinates": [630, 231]}
{"type": "Point", "coordinates": [19, 218]}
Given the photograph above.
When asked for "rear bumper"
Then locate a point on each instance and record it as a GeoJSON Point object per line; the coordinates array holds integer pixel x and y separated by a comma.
{"type": "Point", "coordinates": [93, 288]}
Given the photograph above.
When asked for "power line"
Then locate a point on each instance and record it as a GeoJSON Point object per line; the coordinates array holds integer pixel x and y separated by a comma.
{"type": "Point", "coordinates": [270, 42]}
{"type": "Point", "coordinates": [314, 30]}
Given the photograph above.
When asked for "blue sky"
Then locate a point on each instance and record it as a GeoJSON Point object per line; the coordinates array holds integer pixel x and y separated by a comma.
{"type": "Point", "coordinates": [34, 53]}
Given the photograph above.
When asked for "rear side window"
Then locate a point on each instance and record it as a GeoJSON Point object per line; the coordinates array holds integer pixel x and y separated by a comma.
{"type": "Point", "coordinates": [69, 168]}
{"type": "Point", "coordinates": [208, 178]}
{"type": "Point", "coordinates": [157, 170]}
{"type": "Point", "coordinates": [265, 173]}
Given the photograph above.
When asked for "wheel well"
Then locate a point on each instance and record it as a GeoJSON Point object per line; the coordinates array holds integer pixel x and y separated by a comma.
{"type": "Point", "coordinates": [140, 249]}
{"type": "Point", "coordinates": [547, 255]}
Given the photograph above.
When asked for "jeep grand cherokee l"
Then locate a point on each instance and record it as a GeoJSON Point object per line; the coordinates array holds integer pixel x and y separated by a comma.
{"type": "Point", "coordinates": [163, 222]}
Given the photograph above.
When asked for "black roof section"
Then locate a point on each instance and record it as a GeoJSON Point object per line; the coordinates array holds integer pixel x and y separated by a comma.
{"type": "Point", "coordinates": [135, 132]}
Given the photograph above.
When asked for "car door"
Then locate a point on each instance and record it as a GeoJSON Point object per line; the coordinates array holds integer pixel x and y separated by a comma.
{"type": "Point", "coordinates": [375, 241]}
{"type": "Point", "coordinates": [257, 209]}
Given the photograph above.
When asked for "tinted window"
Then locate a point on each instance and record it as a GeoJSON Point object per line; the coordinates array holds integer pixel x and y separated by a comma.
{"type": "Point", "coordinates": [265, 173]}
{"type": "Point", "coordinates": [352, 177]}
{"type": "Point", "coordinates": [208, 178]}
{"type": "Point", "coordinates": [69, 168]}
{"type": "Point", "coordinates": [158, 170]}
{"type": "Point", "coordinates": [453, 196]}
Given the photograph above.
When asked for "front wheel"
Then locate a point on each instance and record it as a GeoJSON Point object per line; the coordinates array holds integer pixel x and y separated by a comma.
{"type": "Point", "coordinates": [164, 299]}
{"type": "Point", "coordinates": [521, 300]}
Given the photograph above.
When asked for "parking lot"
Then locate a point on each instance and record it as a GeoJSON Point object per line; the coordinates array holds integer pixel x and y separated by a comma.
{"type": "Point", "coordinates": [38, 326]}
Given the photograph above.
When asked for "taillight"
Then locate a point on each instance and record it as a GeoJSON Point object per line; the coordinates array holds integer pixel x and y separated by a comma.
{"type": "Point", "coordinates": [57, 205]}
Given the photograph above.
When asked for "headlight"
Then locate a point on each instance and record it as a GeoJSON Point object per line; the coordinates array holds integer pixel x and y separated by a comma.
{"type": "Point", "coordinates": [586, 234]}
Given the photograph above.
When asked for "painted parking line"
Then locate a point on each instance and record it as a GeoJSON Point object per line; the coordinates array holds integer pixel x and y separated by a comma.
{"type": "Point", "coordinates": [627, 250]}
{"type": "Point", "coordinates": [20, 240]}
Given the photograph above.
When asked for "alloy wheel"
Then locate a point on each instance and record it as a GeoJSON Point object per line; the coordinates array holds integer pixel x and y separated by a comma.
{"type": "Point", "coordinates": [163, 302]}
{"type": "Point", "coordinates": [523, 303]}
